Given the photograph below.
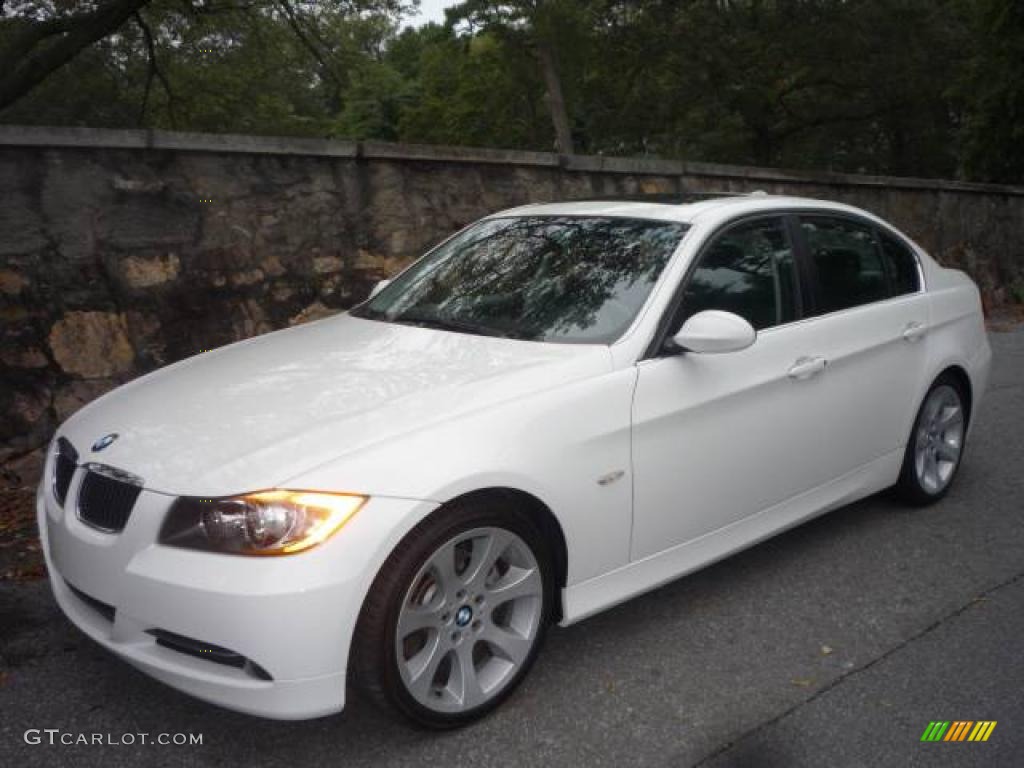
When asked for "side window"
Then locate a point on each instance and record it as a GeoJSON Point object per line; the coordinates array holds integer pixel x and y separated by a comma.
{"type": "Point", "coordinates": [748, 270]}
{"type": "Point", "coordinates": [901, 263]}
{"type": "Point", "coordinates": [846, 258]}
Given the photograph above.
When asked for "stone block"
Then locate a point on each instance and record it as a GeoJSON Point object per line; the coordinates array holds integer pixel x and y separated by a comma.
{"type": "Point", "coordinates": [91, 345]}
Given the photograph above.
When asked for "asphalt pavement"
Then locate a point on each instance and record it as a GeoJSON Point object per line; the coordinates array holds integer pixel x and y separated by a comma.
{"type": "Point", "coordinates": [834, 644]}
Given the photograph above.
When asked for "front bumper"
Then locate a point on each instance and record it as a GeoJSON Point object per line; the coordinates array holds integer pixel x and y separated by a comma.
{"type": "Point", "coordinates": [286, 622]}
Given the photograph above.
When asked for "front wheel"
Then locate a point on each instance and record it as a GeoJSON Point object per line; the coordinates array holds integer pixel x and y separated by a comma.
{"type": "Point", "coordinates": [936, 444]}
{"type": "Point", "coordinates": [455, 618]}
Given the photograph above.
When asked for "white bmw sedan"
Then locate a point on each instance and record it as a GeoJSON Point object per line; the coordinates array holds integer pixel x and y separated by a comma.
{"type": "Point", "coordinates": [558, 408]}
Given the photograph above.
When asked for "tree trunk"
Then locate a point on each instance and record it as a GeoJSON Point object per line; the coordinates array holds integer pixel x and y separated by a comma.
{"type": "Point", "coordinates": [555, 99]}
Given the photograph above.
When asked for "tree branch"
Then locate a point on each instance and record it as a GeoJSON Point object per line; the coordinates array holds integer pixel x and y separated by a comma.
{"type": "Point", "coordinates": [293, 21]}
{"type": "Point", "coordinates": [153, 71]}
{"type": "Point", "coordinates": [26, 62]}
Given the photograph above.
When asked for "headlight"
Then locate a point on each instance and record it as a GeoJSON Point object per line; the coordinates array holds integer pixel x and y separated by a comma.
{"type": "Point", "coordinates": [264, 523]}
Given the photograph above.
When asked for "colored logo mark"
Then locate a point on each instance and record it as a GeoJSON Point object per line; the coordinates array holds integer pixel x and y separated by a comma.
{"type": "Point", "coordinates": [958, 730]}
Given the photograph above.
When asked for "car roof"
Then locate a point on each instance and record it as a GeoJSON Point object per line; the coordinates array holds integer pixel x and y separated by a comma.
{"type": "Point", "coordinates": [688, 212]}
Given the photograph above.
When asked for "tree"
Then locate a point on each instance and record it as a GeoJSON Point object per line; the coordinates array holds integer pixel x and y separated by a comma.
{"type": "Point", "coordinates": [992, 91]}
{"type": "Point", "coordinates": [474, 92]}
{"type": "Point", "coordinates": [39, 37]}
{"type": "Point", "coordinates": [909, 87]}
{"type": "Point", "coordinates": [541, 25]}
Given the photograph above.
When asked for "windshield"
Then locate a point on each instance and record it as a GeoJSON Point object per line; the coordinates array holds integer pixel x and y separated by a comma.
{"type": "Point", "coordinates": [571, 279]}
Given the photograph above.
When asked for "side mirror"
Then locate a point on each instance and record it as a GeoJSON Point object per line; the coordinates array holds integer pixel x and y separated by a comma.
{"type": "Point", "coordinates": [713, 331]}
{"type": "Point", "coordinates": [380, 286]}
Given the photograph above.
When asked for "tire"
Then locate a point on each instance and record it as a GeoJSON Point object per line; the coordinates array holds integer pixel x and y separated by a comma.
{"type": "Point", "coordinates": [474, 634]}
{"type": "Point", "coordinates": [936, 444]}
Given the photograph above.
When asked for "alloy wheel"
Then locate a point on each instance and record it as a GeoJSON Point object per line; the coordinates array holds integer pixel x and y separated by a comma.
{"type": "Point", "coordinates": [469, 620]}
{"type": "Point", "coordinates": [939, 440]}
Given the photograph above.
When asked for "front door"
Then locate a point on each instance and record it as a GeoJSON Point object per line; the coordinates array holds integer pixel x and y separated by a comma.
{"type": "Point", "coordinates": [720, 437]}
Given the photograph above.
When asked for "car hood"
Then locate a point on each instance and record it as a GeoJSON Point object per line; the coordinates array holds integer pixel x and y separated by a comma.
{"type": "Point", "coordinates": [254, 414]}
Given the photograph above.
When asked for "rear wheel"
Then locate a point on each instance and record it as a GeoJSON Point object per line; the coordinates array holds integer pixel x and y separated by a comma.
{"type": "Point", "coordinates": [455, 618]}
{"type": "Point", "coordinates": [936, 444]}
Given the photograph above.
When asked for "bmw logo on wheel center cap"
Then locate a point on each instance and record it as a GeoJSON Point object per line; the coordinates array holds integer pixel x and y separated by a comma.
{"type": "Point", "coordinates": [104, 442]}
{"type": "Point", "coordinates": [463, 615]}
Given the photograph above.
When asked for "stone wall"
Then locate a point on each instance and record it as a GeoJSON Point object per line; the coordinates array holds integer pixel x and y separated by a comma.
{"type": "Point", "coordinates": [121, 251]}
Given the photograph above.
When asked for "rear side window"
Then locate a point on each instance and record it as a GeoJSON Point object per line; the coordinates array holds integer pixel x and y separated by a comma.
{"type": "Point", "coordinates": [748, 270]}
{"type": "Point", "coordinates": [847, 261]}
{"type": "Point", "coordinates": [902, 265]}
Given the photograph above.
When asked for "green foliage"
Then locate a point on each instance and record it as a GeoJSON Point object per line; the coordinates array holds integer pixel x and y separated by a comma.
{"type": "Point", "coordinates": [993, 92]}
{"type": "Point", "coordinates": [257, 67]}
{"type": "Point", "coordinates": [376, 99]}
{"type": "Point", "coordinates": [912, 87]}
{"type": "Point", "coordinates": [481, 92]}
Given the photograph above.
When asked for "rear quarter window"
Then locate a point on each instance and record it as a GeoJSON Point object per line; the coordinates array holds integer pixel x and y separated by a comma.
{"type": "Point", "coordinates": [901, 263]}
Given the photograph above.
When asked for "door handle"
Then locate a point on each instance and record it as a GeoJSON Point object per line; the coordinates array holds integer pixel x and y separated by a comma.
{"type": "Point", "coordinates": [806, 367]}
{"type": "Point", "coordinates": [914, 331]}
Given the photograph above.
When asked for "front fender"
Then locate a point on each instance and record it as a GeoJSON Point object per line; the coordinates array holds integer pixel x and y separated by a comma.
{"type": "Point", "coordinates": [561, 446]}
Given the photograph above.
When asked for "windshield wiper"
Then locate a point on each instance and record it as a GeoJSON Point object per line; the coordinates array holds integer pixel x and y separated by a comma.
{"type": "Point", "coordinates": [421, 320]}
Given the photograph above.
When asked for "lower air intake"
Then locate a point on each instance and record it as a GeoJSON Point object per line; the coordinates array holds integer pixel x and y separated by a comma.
{"type": "Point", "coordinates": [214, 653]}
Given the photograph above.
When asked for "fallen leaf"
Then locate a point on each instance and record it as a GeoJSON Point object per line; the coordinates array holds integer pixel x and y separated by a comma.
{"type": "Point", "coordinates": [22, 573]}
{"type": "Point", "coordinates": [803, 682]}
{"type": "Point", "coordinates": [826, 650]}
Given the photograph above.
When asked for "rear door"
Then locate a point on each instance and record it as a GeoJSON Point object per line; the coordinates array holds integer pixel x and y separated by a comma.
{"type": "Point", "coordinates": [870, 321]}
